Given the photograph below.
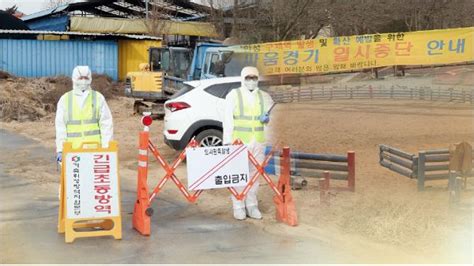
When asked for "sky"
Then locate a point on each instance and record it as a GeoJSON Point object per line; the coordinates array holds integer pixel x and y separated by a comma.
{"type": "Point", "coordinates": [25, 6]}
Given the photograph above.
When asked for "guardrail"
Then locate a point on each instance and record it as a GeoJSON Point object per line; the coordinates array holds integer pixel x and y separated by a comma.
{"type": "Point", "coordinates": [432, 165]}
{"type": "Point", "coordinates": [459, 95]}
{"type": "Point", "coordinates": [340, 167]}
{"type": "Point", "coordinates": [398, 161]}
{"type": "Point", "coordinates": [427, 165]}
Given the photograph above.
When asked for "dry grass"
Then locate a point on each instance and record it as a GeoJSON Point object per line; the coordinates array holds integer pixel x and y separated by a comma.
{"type": "Point", "coordinates": [24, 99]}
{"type": "Point", "coordinates": [395, 221]}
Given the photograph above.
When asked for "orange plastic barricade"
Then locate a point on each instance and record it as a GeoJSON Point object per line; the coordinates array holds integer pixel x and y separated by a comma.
{"type": "Point", "coordinates": [285, 205]}
{"type": "Point", "coordinates": [89, 202]}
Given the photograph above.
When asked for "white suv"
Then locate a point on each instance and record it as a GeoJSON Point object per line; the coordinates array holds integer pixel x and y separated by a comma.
{"type": "Point", "coordinates": [197, 111]}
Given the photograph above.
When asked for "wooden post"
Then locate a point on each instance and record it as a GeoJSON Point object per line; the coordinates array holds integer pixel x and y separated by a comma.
{"type": "Point", "coordinates": [457, 189]}
{"type": "Point", "coordinates": [451, 180]}
{"type": "Point", "coordinates": [454, 188]}
{"type": "Point", "coordinates": [351, 170]}
{"type": "Point", "coordinates": [324, 188]}
{"type": "Point", "coordinates": [327, 179]}
{"type": "Point", "coordinates": [299, 93]}
{"type": "Point", "coordinates": [380, 154]}
{"type": "Point", "coordinates": [421, 170]}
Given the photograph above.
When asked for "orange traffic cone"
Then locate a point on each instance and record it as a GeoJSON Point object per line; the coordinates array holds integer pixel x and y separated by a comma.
{"type": "Point", "coordinates": [142, 210]}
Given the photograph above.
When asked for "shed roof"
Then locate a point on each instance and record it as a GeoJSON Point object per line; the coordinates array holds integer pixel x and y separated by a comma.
{"type": "Point", "coordinates": [85, 34]}
{"type": "Point", "coordinates": [180, 10]}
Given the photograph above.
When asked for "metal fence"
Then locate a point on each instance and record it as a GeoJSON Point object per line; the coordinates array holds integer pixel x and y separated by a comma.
{"type": "Point", "coordinates": [424, 166]}
{"type": "Point", "coordinates": [439, 93]}
{"type": "Point", "coordinates": [340, 167]}
{"type": "Point", "coordinates": [398, 161]}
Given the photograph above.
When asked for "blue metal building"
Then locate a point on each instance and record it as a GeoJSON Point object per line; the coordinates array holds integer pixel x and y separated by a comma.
{"type": "Point", "coordinates": [34, 58]}
{"type": "Point", "coordinates": [31, 54]}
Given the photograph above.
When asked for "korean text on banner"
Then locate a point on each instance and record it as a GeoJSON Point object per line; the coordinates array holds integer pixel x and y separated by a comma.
{"type": "Point", "coordinates": [92, 185]}
{"type": "Point", "coordinates": [348, 53]}
{"type": "Point", "coordinates": [217, 167]}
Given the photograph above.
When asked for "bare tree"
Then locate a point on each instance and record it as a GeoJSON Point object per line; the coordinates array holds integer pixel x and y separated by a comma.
{"type": "Point", "coordinates": [216, 14]}
{"type": "Point", "coordinates": [278, 20]}
{"type": "Point", "coordinates": [370, 16]}
{"type": "Point", "coordinates": [156, 22]}
{"type": "Point", "coordinates": [284, 20]}
{"type": "Point", "coordinates": [437, 14]}
{"type": "Point", "coordinates": [11, 10]}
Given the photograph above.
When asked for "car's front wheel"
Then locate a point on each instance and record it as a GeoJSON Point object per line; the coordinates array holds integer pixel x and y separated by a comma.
{"type": "Point", "coordinates": [209, 138]}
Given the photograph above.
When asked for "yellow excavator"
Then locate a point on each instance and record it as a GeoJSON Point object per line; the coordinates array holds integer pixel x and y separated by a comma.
{"type": "Point", "coordinates": [158, 79]}
{"type": "Point", "coordinates": [169, 67]}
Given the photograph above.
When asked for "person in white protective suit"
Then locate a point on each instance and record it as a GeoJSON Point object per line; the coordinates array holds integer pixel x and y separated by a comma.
{"type": "Point", "coordinates": [82, 114]}
{"type": "Point", "coordinates": [246, 118]}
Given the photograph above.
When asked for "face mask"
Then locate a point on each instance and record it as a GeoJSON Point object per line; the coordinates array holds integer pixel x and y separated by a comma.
{"type": "Point", "coordinates": [81, 85]}
{"type": "Point", "coordinates": [251, 85]}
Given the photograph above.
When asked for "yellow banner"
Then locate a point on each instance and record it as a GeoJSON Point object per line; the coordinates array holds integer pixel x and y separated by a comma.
{"type": "Point", "coordinates": [357, 52]}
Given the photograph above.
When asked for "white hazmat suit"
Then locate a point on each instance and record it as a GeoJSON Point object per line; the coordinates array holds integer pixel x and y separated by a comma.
{"type": "Point", "coordinates": [81, 89]}
{"type": "Point", "coordinates": [249, 90]}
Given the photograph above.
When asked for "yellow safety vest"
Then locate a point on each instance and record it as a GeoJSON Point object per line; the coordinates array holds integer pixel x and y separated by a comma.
{"type": "Point", "coordinates": [82, 124]}
{"type": "Point", "coordinates": [247, 123]}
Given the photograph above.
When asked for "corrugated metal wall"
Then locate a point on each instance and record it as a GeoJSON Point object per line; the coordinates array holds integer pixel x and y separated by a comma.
{"type": "Point", "coordinates": [37, 58]}
{"type": "Point", "coordinates": [132, 53]}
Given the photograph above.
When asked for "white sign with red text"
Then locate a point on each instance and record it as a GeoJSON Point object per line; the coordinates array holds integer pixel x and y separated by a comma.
{"type": "Point", "coordinates": [92, 189]}
{"type": "Point", "coordinates": [217, 167]}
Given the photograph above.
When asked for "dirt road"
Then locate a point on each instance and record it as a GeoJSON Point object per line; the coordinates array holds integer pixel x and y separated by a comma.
{"type": "Point", "coordinates": [386, 220]}
{"type": "Point", "coordinates": [181, 233]}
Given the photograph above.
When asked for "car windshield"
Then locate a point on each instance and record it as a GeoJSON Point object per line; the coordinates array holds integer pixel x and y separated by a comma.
{"type": "Point", "coordinates": [181, 60]}
{"type": "Point", "coordinates": [229, 65]}
{"type": "Point", "coordinates": [233, 64]}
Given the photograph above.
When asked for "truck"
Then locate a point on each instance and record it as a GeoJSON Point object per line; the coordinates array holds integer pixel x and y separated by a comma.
{"type": "Point", "coordinates": [169, 67]}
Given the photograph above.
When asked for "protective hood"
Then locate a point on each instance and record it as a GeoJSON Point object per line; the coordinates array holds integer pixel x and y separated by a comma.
{"type": "Point", "coordinates": [251, 85]}
{"type": "Point", "coordinates": [79, 84]}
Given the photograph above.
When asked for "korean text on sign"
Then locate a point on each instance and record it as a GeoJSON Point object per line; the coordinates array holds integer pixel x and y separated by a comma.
{"type": "Point", "coordinates": [92, 184]}
{"type": "Point", "coordinates": [346, 53]}
{"type": "Point", "coordinates": [217, 167]}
